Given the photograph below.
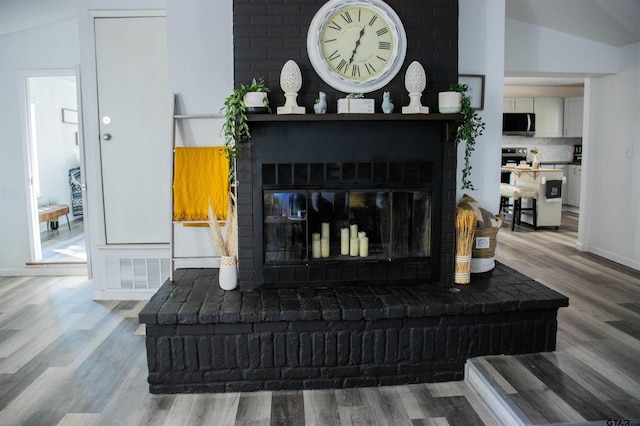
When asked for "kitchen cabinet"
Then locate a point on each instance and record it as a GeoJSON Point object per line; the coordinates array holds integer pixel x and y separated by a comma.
{"type": "Point", "coordinates": [573, 121]}
{"type": "Point", "coordinates": [549, 117]}
{"type": "Point", "coordinates": [574, 178]}
{"type": "Point", "coordinates": [517, 105]}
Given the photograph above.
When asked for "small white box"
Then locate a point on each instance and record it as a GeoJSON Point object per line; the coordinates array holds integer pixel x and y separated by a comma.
{"type": "Point", "coordinates": [356, 106]}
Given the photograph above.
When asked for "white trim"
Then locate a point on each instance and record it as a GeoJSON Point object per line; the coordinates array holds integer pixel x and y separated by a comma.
{"type": "Point", "coordinates": [612, 257]}
{"type": "Point", "coordinates": [35, 249]}
{"type": "Point", "coordinates": [57, 269]}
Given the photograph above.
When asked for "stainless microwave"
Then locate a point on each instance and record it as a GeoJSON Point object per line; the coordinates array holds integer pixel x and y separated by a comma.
{"type": "Point", "coordinates": [519, 123]}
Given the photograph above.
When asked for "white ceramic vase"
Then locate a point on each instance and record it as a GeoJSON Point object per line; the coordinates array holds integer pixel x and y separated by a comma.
{"type": "Point", "coordinates": [228, 274]}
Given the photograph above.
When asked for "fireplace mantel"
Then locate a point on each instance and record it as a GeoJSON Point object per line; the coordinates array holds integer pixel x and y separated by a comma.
{"type": "Point", "coordinates": [451, 121]}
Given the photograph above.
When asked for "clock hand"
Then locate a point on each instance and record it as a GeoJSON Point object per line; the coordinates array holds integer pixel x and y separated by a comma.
{"type": "Point", "coordinates": [357, 44]}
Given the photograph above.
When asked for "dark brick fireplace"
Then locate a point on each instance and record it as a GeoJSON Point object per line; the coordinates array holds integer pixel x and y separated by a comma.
{"type": "Point", "coordinates": [379, 153]}
{"type": "Point", "coordinates": [341, 322]}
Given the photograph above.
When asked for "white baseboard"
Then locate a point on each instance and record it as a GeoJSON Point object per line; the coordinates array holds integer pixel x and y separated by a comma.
{"type": "Point", "coordinates": [56, 270]}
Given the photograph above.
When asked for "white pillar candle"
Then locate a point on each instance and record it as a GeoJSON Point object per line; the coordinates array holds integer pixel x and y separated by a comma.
{"type": "Point", "coordinates": [315, 249]}
{"type": "Point", "coordinates": [361, 235]}
{"type": "Point", "coordinates": [364, 247]}
{"type": "Point", "coordinates": [324, 246]}
{"type": "Point", "coordinates": [353, 248]}
{"type": "Point", "coordinates": [344, 241]}
{"type": "Point", "coordinates": [354, 231]}
{"type": "Point", "coordinates": [325, 230]}
{"type": "Point", "coordinates": [315, 237]}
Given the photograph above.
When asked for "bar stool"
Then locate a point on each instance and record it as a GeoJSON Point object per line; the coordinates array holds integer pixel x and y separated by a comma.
{"type": "Point", "coordinates": [518, 193]}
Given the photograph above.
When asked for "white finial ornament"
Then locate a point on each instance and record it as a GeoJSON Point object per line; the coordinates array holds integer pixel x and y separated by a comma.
{"type": "Point", "coordinates": [291, 82]}
{"type": "Point", "coordinates": [415, 81]}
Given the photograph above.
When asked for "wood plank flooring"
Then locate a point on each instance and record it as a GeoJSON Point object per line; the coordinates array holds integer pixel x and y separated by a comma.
{"type": "Point", "coordinates": [68, 360]}
{"type": "Point", "coordinates": [63, 245]}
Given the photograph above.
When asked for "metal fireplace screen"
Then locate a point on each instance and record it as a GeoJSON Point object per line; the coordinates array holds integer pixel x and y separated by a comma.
{"type": "Point", "coordinates": [315, 225]}
{"type": "Point", "coordinates": [346, 211]}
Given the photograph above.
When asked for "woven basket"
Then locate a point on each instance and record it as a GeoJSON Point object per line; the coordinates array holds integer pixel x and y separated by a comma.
{"type": "Point", "coordinates": [484, 243]}
{"type": "Point", "coordinates": [483, 252]}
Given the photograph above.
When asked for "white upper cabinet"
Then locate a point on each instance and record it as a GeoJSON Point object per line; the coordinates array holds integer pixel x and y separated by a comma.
{"type": "Point", "coordinates": [549, 117]}
{"type": "Point", "coordinates": [573, 117]}
{"type": "Point", "coordinates": [517, 105]}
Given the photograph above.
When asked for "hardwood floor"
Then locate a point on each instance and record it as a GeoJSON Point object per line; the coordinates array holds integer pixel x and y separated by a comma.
{"type": "Point", "coordinates": [63, 245]}
{"type": "Point", "coordinates": [68, 360]}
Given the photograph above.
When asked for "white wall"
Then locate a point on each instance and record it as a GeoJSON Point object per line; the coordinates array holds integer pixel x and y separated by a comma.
{"type": "Point", "coordinates": [480, 51]}
{"type": "Point", "coordinates": [51, 47]}
{"type": "Point", "coordinates": [609, 214]}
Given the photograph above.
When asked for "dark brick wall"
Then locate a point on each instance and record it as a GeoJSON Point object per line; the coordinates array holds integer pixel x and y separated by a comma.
{"type": "Point", "coordinates": [270, 32]}
{"type": "Point", "coordinates": [203, 339]}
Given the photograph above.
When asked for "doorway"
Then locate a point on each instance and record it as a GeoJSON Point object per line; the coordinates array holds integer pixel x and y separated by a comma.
{"type": "Point", "coordinates": [55, 172]}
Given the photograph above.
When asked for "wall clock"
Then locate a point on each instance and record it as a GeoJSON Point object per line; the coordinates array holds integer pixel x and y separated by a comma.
{"type": "Point", "coordinates": [356, 46]}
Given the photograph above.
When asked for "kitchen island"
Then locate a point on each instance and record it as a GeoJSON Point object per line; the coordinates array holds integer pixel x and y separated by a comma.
{"type": "Point", "coordinates": [548, 184]}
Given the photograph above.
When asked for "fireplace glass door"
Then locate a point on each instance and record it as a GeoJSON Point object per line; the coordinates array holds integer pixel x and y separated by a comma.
{"type": "Point", "coordinates": [328, 226]}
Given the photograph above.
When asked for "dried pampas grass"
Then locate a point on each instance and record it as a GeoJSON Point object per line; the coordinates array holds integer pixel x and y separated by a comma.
{"type": "Point", "coordinates": [465, 229]}
{"type": "Point", "coordinates": [225, 246]}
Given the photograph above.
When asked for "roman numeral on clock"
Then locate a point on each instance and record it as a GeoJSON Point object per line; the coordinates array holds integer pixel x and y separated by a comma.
{"type": "Point", "coordinates": [346, 16]}
{"type": "Point", "coordinates": [373, 21]}
{"type": "Point", "coordinates": [335, 55]}
{"type": "Point", "coordinates": [370, 68]}
{"type": "Point", "coordinates": [342, 65]}
{"type": "Point", "coordinates": [355, 71]}
{"type": "Point", "coordinates": [334, 26]}
{"type": "Point", "coordinates": [384, 45]}
{"type": "Point", "coordinates": [382, 31]}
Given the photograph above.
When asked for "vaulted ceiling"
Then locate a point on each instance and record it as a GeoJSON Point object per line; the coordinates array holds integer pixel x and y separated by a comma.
{"type": "Point", "coordinates": [613, 22]}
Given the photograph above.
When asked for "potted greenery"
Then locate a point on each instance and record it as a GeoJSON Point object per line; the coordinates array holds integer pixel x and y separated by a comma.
{"type": "Point", "coordinates": [244, 99]}
{"type": "Point", "coordinates": [472, 126]}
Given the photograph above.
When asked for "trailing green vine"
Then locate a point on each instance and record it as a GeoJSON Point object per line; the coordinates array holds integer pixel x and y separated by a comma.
{"type": "Point", "coordinates": [471, 127]}
{"type": "Point", "coordinates": [235, 127]}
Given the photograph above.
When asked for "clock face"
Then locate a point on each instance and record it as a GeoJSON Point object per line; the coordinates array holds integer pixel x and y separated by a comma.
{"type": "Point", "coordinates": [356, 46]}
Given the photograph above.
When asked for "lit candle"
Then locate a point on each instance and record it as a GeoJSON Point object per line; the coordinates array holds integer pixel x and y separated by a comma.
{"type": "Point", "coordinates": [324, 246]}
{"type": "Point", "coordinates": [364, 247]}
{"type": "Point", "coordinates": [344, 241]}
{"type": "Point", "coordinates": [315, 249]}
{"type": "Point", "coordinates": [325, 230]}
{"type": "Point", "coordinates": [354, 231]}
{"type": "Point", "coordinates": [353, 248]}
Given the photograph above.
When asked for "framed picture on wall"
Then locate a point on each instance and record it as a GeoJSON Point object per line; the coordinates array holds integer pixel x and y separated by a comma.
{"type": "Point", "coordinates": [476, 88]}
{"type": "Point", "coordinates": [69, 116]}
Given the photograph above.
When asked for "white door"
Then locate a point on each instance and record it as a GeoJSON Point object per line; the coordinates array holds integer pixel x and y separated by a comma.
{"type": "Point", "coordinates": [135, 145]}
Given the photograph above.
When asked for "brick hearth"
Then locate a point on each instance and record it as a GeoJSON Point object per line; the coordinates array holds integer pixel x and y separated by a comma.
{"type": "Point", "coordinates": [202, 339]}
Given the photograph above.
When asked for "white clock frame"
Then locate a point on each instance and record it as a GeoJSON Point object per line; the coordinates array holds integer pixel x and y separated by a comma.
{"type": "Point", "coordinates": [338, 81]}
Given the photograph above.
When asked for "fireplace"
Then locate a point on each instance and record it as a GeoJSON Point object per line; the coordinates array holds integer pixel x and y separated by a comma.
{"type": "Point", "coordinates": [345, 200]}
{"type": "Point", "coordinates": [384, 317]}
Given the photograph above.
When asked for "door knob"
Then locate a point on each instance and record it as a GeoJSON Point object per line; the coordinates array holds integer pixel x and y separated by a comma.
{"type": "Point", "coordinates": [106, 137]}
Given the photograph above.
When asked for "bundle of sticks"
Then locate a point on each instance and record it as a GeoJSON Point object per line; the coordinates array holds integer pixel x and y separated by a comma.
{"type": "Point", "coordinates": [465, 229]}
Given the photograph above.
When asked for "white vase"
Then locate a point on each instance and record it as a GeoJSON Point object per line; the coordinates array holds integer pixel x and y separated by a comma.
{"type": "Point", "coordinates": [228, 274]}
{"type": "Point", "coordinates": [449, 102]}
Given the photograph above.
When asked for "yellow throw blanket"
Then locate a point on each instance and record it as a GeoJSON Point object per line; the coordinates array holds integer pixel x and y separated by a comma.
{"type": "Point", "coordinates": [201, 177]}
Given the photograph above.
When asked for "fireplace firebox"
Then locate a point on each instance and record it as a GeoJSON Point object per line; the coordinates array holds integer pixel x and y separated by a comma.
{"type": "Point", "coordinates": [347, 200]}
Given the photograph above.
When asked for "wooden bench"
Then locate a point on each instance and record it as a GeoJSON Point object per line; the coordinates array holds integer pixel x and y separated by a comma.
{"type": "Point", "coordinates": [53, 211]}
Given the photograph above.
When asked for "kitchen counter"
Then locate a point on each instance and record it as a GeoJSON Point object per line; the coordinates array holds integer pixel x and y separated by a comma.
{"type": "Point", "coordinates": [549, 206]}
